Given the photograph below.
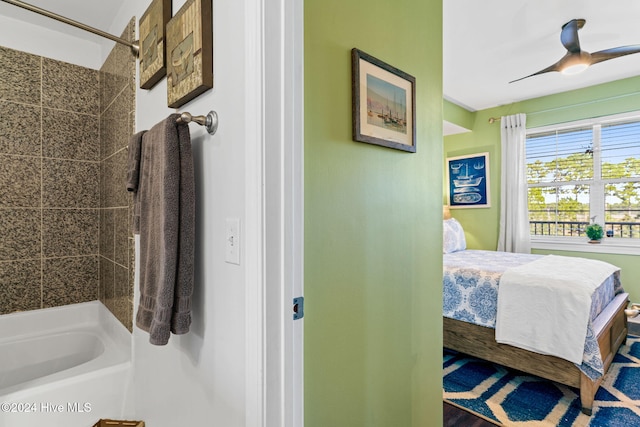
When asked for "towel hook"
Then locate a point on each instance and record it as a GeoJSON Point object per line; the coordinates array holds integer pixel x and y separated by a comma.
{"type": "Point", "coordinates": [210, 121]}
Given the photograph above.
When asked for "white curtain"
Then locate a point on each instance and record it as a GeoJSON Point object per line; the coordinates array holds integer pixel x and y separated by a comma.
{"type": "Point", "coordinates": [514, 214]}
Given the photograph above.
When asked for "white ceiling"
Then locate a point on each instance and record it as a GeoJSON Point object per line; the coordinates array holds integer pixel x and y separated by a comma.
{"type": "Point", "coordinates": [489, 43]}
{"type": "Point", "coordinates": [99, 14]}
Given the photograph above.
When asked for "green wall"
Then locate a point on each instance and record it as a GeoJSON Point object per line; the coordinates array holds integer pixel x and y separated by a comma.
{"type": "Point", "coordinates": [481, 225]}
{"type": "Point", "coordinates": [457, 115]}
{"type": "Point", "coordinates": [373, 229]}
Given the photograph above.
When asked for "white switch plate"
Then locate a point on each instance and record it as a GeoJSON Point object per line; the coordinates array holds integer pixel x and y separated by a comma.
{"type": "Point", "coordinates": [232, 248]}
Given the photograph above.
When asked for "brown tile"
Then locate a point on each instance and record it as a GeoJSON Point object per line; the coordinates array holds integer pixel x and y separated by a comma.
{"type": "Point", "coordinates": [67, 135]}
{"type": "Point", "coordinates": [130, 324]}
{"type": "Point", "coordinates": [70, 184]}
{"type": "Point", "coordinates": [20, 178]}
{"type": "Point", "coordinates": [132, 122]}
{"type": "Point", "coordinates": [129, 32]}
{"type": "Point", "coordinates": [121, 219]}
{"type": "Point", "coordinates": [113, 78]}
{"type": "Point", "coordinates": [113, 82]}
{"type": "Point", "coordinates": [119, 178]}
{"type": "Point", "coordinates": [106, 200]}
{"type": "Point", "coordinates": [121, 283]}
{"type": "Point", "coordinates": [107, 289]}
{"type": "Point", "coordinates": [121, 297]}
{"type": "Point", "coordinates": [19, 76]}
{"type": "Point", "coordinates": [114, 126]}
{"type": "Point", "coordinates": [118, 73]}
{"type": "Point", "coordinates": [69, 87]}
{"type": "Point", "coordinates": [69, 280]}
{"type": "Point", "coordinates": [113, 175]}
{"type": "Point", "coordinates": [17, 135]}
{"type": "Point", "coordinates": [121, 68]}
{"type": "Point", "coordinates": [107, 233]}
{"type": "Point", "coordinates": [70, 232]}
{"type": "Point", "coordinates": [107, 84]}
{"type": "Point", "coordinates": [20, 286]}
{"type": "Point", "coordinates": [129, 102]}
{"type": "Point", "coordinates": [132, 62]}
{"type": "Point", "coordinates": [20, 231]}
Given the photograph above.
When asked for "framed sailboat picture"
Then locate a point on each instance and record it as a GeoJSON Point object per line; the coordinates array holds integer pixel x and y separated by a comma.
{"type": "Point", "coordinates": [384, 103]}
{"type": "Point", "coordinates": [152, 40]}
{"type": "Point", "coordinates": [189, 52]}
{"type": "Point", "coordinates": [468, 181]}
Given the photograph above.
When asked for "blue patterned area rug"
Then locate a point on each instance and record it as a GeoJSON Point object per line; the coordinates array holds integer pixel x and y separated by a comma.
{"type": "Point", "coordinates": [510, 398]}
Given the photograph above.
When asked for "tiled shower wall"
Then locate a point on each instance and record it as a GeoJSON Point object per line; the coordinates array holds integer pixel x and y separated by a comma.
{"type": "Point", "coordinates": [64, 209]}
{"type": "Point", "coordinates": [117, 124]}
{"type": "Point", "coordinates": [49, 182]}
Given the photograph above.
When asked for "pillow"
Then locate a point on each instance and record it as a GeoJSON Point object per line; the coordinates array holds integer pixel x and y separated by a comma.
{"type": "Point", "coordinates": [453, 236]}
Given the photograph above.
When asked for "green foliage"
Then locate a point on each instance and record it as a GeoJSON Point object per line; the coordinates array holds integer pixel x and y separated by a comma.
{"type": "Point", "coordinates": [594, 231]}
{"type": "Point", "coordinates": [536, 171]}
{"type": "Point", "coordinates": [577, 168]}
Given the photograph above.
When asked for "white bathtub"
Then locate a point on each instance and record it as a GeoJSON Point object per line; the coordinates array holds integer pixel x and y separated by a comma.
{"type": "Point", "coordinates": [63, 366]}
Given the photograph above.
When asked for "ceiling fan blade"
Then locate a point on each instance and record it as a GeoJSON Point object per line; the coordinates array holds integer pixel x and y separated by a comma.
{"type": "Point", "coordinates": [614, 52]}
{"type": "Point", "coordinates": [569, 35]}
{"type": "Point", "coordinates": [549, 69]}
{"type": "Point", "coordinates": [575, 59]}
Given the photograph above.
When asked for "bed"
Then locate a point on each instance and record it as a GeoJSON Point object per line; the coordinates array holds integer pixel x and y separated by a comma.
{"type": "Point", "coordinates": [470, 290]}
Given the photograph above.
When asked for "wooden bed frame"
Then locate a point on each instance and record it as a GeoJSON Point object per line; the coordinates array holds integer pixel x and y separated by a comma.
{"type": "Point", "coordinates": [610, 327]}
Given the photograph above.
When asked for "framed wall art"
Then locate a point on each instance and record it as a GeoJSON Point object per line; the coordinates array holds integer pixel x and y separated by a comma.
{"type": "Point", "coordinates": [189, 52]}
{"type": "Point", "coordinates": [152, 43]}
{"type": "Point", "coordinates": [383, 103]}
{"type": "Point", "coordinates": [468, 181]}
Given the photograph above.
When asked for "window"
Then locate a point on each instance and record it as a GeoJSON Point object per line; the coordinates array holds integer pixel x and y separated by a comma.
{"type": "Point", "coordinates": [588, 171]}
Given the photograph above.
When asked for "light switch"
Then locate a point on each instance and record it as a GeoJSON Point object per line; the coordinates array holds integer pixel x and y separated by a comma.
{"type": "Point", "coordinates": [232, 249]}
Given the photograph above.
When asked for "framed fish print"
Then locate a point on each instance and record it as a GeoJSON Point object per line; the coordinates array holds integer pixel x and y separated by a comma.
{"type": "Point", "coordinates": [189, 52]}
{"type": "Point", "coordinates": [152, 43]}
{"type": "Point", "coordinates": [383, 103]}
{"type": "Point", "coordinates": [468, 181]}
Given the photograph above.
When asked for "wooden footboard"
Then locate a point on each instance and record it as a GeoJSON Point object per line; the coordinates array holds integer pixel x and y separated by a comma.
{"type": "Point", "coordinates": [610, 327]}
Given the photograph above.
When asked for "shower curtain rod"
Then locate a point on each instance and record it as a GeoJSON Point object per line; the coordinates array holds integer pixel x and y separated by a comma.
{"type": "Point", "coordinates": [135, 47]}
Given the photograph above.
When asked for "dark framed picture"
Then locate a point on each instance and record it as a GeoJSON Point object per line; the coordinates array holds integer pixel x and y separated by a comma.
{"type": "Point", "coordinates": [468, 181]}
{"type": "Point", "coordinates": [189, 52]}
{"type": "Point", "coordinates": [384, 103]}
{"type": "Point", "coordinates": [152, 43]}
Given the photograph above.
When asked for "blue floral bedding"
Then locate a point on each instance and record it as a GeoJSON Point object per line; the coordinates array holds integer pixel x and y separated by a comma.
{"type": "Point", "coordinates": [470, 293]}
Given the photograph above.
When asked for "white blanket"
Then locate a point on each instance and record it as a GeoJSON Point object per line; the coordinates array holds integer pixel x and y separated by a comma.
{"type": "Point", "coordinates": [544, 305]}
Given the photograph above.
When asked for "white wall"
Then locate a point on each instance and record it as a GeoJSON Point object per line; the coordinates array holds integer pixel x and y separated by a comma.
{"type": "Point", "coordinates": [204, 378]}
{"type": "Point", "coordinates": [20, 35]}
{"type": "Point", "coordinates": [199, 378]}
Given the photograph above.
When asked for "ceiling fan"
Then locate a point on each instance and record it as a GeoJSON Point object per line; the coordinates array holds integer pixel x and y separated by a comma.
{"type": "Point", "coordinates": [576, 59]}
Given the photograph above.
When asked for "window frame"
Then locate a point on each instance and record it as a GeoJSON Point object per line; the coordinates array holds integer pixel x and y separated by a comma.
{"type": "Point", "coordinates": [610, 245]}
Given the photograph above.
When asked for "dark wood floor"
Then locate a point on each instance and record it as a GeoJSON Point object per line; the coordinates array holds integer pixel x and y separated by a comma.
{"type": "Point", "coordinates": [455, 417]}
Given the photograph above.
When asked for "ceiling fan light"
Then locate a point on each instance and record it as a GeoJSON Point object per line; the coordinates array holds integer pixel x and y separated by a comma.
{"type": "Point", "coordinates": [575, 68]}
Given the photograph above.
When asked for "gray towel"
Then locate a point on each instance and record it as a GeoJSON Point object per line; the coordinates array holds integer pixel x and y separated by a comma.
{"type": "Point", "coordinates": [165, 193]}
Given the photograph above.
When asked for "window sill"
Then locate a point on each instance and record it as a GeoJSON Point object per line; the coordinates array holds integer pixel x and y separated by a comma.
{"type": "Point", "coordinates": [609, 245]}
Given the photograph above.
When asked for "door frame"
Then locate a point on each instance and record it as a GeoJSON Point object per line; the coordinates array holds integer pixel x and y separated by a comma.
{"type": "Point", "coordinates": [274, 211]}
